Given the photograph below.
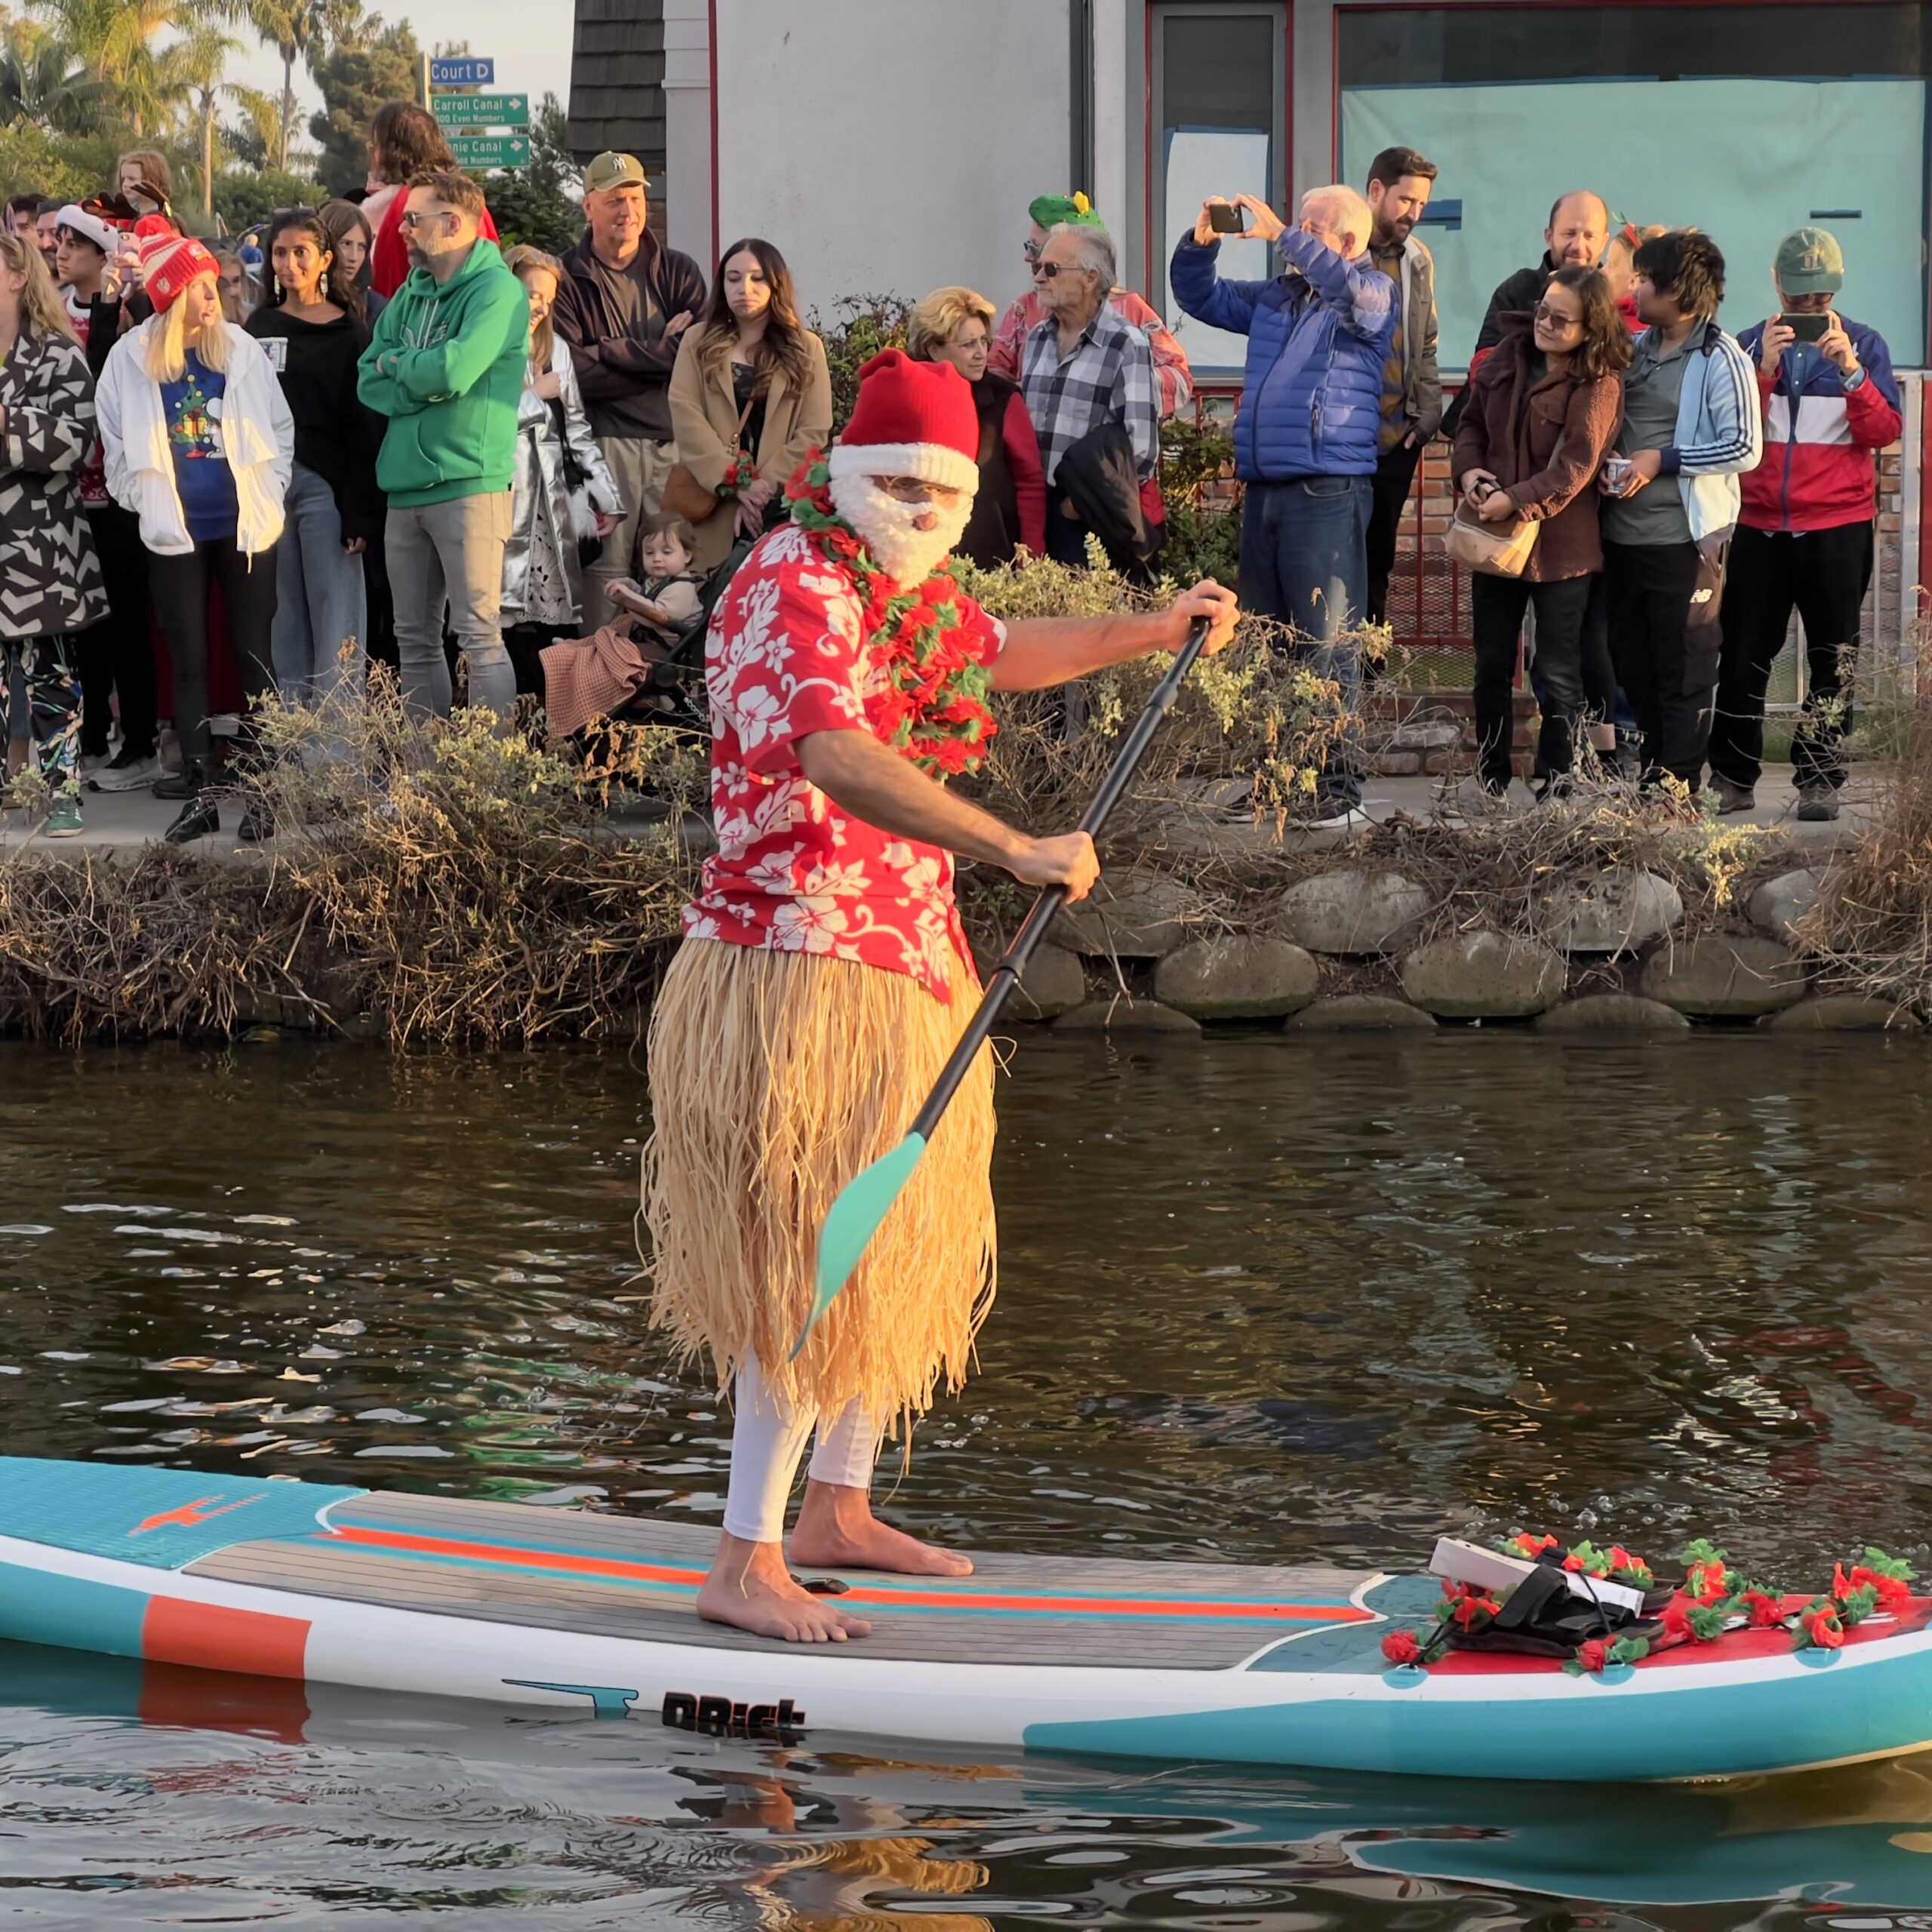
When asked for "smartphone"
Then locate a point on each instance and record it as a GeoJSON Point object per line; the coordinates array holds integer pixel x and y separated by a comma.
{"type": "Point", "coordinates": [1226, 219]}
{"type": "Point", "coordinates": [1806, 328]}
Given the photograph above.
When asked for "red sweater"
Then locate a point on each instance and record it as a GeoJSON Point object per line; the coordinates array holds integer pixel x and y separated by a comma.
{"type": "Point", "coordinates": [1030, 480]}
{"type": "Point", "coordinates": [389, 259]}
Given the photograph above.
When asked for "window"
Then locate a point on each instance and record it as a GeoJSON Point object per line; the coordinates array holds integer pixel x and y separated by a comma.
{"type": "Point", "coordinates": [1747, 121]}
{"type": "Point", "coordinates": [1219, 129]}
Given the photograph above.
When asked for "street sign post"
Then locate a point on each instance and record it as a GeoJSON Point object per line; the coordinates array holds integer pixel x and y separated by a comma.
{"type": "Point", "coordinates": [481, 110]}
{"type": "Point", "coordinates": [480, 151]}
{"type": "Point", "coordinates": [466, 70]}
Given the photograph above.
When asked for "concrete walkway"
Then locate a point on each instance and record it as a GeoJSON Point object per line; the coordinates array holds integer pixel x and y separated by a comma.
{"type": "Point", "coordinates": [123, 824]}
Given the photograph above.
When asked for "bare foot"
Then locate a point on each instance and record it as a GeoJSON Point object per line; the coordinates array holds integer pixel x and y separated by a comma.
{"type": "Point", "coordinates": [750, 1589]}
{"type": "Point", "coordinates": [837, 1530]}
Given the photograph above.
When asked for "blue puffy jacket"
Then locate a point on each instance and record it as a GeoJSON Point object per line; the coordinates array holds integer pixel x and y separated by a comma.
{"type": "Point", "coordinates": [1318, 336]}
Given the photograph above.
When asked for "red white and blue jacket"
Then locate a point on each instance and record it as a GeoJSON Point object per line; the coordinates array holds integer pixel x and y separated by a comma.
{"type": "Point", "coordinates": [1820, 470]}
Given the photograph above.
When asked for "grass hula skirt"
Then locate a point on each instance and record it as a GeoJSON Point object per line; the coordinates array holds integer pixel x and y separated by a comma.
{"type": "Point", "coordinates": [776, 1078]}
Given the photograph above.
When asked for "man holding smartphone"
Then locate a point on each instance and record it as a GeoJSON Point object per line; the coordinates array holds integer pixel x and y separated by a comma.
{"type": "Point", "coordinates": [1805, 533]}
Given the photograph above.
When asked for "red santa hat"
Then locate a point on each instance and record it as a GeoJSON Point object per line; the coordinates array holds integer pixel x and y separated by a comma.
{"type": "Point", "coordinates": [170, 260]}
{"type": "Point", "coordinates": [912, 419]}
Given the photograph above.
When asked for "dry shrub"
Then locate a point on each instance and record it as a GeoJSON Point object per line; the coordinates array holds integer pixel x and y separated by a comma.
{"type": "Point", "coordinates": [451, 884]}
{"type": "Point", "coordinates": [459, 876]}
{"type": "Point", "coordinates": [1252, 713]}
{"type": "Point", "coordinates": [1871, 932]}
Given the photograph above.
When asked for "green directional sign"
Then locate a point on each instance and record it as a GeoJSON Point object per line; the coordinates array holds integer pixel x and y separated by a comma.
{"type": "Point", "coordinates": [481, 110]}
{"type": "Point", "coordinates": [481, 151]}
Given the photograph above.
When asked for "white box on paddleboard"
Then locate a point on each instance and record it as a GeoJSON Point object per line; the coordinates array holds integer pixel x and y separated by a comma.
{"type": "Point", "coordinates": [1492, 1570]}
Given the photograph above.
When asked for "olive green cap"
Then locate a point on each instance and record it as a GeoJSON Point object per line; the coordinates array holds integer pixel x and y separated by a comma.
{"type": "Point", "coordinates": [1810, 262]}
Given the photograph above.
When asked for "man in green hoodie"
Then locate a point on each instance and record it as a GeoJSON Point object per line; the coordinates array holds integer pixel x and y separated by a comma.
{"type": "Point", "coordinates": [446, 366]}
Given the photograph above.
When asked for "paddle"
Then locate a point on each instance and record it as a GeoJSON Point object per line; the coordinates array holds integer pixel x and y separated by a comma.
{"type": "Point", "coordinates": [867, 1199]}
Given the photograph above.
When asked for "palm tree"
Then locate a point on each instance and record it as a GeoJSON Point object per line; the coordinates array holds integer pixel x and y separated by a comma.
{"type": "Point", "coordinates": [291, 27]}
{"type": "Point", "coordinates": [257, 139]}
{"type": "Point", "coordinates": [115, 40]}
{"type": "Point", "coordinates": [42, 84]}
{"type": "Point", "coordinates": [195, 63]}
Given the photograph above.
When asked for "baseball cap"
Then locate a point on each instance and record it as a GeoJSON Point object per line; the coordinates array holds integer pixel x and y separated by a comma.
{"type": "Point", "coordinates": [1810, 262]}
{"type": "Point", "coordinates": [610, 170]}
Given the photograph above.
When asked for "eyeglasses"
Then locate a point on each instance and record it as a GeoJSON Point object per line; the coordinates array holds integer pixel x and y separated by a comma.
{"type": "Point", "coordinates": [916, 490]}
{"type": "Point", "coordinates": [1555, 318]}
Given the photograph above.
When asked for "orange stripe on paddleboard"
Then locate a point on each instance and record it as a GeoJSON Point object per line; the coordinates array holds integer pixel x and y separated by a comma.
{"type": "Point", "coordinates": [570, 1563]}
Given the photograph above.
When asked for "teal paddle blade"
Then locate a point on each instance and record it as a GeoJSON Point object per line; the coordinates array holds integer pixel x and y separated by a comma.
{"type": "Point", "coordinates": [866, 1201]}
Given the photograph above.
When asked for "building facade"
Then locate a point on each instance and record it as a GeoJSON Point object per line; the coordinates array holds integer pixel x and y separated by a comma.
{"type": "Point", "coordinates": [890, 146]}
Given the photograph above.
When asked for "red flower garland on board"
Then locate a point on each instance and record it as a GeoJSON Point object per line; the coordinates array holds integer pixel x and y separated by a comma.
{"type": "Point", "coordinates": [933, 710]}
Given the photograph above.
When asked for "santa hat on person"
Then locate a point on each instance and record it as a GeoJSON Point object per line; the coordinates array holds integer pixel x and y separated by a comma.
{"type": "Point", "coordinates": [170, 260]}
{"type": "Point", "coordinates": [912, 419]}
{"type": "Point", "coordinates": [89, 227]}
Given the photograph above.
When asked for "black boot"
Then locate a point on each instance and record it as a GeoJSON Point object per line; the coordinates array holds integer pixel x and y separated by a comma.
{"type": "Point", "coordinates": [188, 783]}
{"type": "Point", "coordinates": [198, 816]}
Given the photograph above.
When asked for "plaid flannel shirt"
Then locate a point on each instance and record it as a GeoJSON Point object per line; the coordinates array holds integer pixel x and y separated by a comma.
{"type": "Point", "coordinates": [1172, 376]}
{"type": "Point", "coordinates": [1109, 377]}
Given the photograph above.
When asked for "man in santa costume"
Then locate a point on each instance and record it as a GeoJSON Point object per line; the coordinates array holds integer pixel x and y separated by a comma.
{"type": "Point", "coordinates": [824, 979]}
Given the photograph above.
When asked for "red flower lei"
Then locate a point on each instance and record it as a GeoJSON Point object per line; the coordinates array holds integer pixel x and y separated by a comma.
{"type": "Point", "coordinates": [934, 709]}
{"type": "Point", "coordinates": [742, 472]}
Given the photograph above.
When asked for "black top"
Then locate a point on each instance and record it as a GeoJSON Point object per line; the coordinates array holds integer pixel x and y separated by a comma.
{"type": "Point", "coordinates": [335, 435]}
{"type": "Point", "coordinates": [993, 532]}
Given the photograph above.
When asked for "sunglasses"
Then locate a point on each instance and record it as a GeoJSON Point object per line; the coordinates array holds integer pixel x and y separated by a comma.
{"type": "Point", "coordinates": [915, 490]}
{"type": "Point", "coordinates": [1050, 269]}
{"type": "Point", "coordinates": [413, 220]}
{"type": "Point", "coordinates": [1031, 250]}
{"type": "Point", "coordinates": [1556, 319]}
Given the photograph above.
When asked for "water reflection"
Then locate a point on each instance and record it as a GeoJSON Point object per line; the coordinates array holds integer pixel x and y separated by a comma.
{"type": "Point", "coordinates": [1262, 1299]}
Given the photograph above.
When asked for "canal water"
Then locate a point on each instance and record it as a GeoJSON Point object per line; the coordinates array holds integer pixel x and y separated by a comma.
{"type": "Point", "coordinates": [1261, 1299]}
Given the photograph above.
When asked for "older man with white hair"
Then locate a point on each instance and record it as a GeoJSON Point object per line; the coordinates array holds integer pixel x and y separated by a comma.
{"type": "Point", "coordinates": [1305, 431]}
{"type": "Point", "coordinates": [1085, 368]}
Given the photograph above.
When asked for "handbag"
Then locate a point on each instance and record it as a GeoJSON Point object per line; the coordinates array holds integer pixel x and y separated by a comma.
{"type": "Point", "coordinates": [1495, 549]}
{"type": "Point", "coordinates": [684, 495]}
{"type": "Point", "coordinates": [577, 487]}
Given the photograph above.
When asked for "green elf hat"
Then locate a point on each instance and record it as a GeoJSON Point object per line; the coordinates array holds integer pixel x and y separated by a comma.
{"type": "Point", "coordinates": [1051, 210]}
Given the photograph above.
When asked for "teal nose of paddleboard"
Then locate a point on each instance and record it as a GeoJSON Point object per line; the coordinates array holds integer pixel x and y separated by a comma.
{"type": "Point", "coordinates": [865, 1202]}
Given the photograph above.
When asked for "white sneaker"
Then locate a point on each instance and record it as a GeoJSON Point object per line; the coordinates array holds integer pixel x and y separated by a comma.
{"type": "Point", "coordinates": [123, 773]}
{"type": "Point", "coordinates": [93, 761]}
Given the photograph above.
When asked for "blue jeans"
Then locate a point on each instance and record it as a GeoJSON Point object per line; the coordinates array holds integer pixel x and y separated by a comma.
{"type": "Point", "coordinates": [320, 601]}
{"type": "Point", "coordinates": [1304, 559]}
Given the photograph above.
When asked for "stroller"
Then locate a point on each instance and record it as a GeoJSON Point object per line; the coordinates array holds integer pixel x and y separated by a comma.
{"type": "Point", "coordinates": [673, 693]}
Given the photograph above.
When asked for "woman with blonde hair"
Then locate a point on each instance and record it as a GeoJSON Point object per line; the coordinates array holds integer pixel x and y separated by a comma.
{"type": "Point", "coordinates": [566, 500]}
{"type": "Point", "coordinates": [954, 325]}
{"type": "Point", "coordinates": [199, 443]}
{"type": "Point", "coordinates": [751, 397]}
{"type": "Point", "coordinates": [53, 580]}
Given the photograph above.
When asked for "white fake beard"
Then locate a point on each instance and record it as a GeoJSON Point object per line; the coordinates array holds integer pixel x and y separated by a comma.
{"type": "Point", "coordinates": [889, 530]}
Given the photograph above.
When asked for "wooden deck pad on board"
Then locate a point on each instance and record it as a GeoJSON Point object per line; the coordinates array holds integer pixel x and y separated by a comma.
{"type": "Point", "coordinates": [622, 1577]}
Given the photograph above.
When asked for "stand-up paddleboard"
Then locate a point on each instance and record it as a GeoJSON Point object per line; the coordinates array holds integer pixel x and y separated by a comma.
{"type": "Point", "coordinates": [1164, 1660]}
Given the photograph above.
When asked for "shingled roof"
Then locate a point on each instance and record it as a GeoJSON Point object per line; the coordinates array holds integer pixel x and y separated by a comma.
{"type": "Point", "coordinates": [617, 80]}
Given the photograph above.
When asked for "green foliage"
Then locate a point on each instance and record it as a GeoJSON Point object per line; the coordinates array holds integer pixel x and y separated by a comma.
{"type": "Point", "coordinates": [861, 325]}
{"type": "Point", "coordinates": [72, 167]}
{"type": "Point", "coordinates": [356, 75]}
{"type": "Point", "coordinates": [533, 204]}
{"type": "Point", "coordinates": [243, 199]}
{"type": "Point", "coordinates": [1204, 538]}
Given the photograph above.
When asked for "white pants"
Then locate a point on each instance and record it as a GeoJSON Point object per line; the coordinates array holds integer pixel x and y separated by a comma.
{"type": "Point", "coordinates": [767, 1438]}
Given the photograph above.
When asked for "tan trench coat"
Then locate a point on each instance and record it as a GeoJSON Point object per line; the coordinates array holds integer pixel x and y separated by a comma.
{"type": "Point", "coordinates": [704, 422]}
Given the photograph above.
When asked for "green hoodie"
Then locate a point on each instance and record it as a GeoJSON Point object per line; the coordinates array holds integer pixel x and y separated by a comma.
{"type": "Point", "coordinates": [446, 366]}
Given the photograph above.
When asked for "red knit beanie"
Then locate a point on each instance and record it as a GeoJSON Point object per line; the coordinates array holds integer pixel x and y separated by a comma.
{"type": "Point", "coordinates": [170, 260]}
{"type": "Point", "coordinates": [912, 419]}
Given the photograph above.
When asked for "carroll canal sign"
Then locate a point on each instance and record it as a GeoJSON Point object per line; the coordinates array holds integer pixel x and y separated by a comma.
{"type": "Point", "coordinates": [484, 130]}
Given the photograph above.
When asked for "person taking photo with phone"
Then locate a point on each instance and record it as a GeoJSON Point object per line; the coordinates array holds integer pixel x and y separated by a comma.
{"type": "Point", "coordinates": [1805, 533]}
{"type": "Point", "coordinates": [1306, 432]}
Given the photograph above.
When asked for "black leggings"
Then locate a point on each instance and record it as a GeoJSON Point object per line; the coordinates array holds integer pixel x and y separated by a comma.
{"type": "Point", "coordinates": [1497, 606]}
{"type": "Point", "coordinates": [181, 586]}
{"type": "Point", "coordinates": [118, 654]}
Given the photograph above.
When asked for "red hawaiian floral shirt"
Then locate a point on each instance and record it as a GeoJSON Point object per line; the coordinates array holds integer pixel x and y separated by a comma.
{"type": "Point", "coordinates": [787, 656]}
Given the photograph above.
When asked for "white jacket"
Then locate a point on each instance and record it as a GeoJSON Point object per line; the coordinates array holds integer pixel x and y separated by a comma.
{"type": "Point", "coordinates": [257, 437]}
